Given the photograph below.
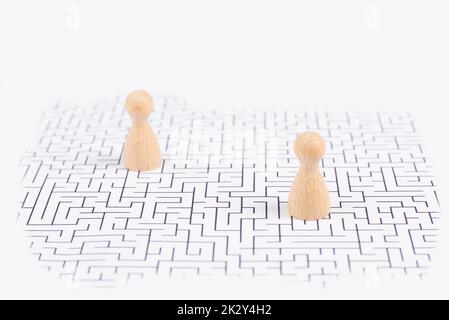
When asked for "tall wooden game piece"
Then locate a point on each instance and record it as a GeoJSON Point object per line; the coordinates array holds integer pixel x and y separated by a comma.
{"type": "Point", "coordinates": [309, 198]}
{"type": "Point", "coordinates": [142, 152]}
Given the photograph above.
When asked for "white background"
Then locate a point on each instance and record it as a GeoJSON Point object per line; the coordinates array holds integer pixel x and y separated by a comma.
{"type": "Point", "coordinates": [342, 55]}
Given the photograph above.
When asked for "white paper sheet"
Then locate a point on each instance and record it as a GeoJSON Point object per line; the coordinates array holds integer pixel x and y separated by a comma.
{"type": "Point", "coordinates": [217, 206]}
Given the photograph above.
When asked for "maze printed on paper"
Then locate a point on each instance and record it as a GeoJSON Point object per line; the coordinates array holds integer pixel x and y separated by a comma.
{"type": "Point", "coordinates": [217, 205]}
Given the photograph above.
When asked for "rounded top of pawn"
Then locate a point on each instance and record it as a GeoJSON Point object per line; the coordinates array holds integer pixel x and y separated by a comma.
{"type": "Point", "coordinates": [309, 146]}
{"type": "Point", "coordinates": [139, 103]}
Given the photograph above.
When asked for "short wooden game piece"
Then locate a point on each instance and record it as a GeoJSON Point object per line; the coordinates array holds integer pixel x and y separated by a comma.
{"type": "Point", "coordinates": [142, 152]}
{"type": "Point", "coordinates": [309, 197]}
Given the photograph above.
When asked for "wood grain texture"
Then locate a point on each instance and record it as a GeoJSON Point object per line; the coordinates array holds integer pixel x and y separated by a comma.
{"type": "Point", "coordinates": [309, 197]}
{"type": "Point", "coordinates": [142, 151]}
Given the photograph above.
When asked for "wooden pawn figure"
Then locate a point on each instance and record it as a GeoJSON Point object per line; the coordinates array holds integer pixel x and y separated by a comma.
{"type": "Point", "coordinates": [142, 152]}
{"type": "Point", "coordinates": [309, 198]}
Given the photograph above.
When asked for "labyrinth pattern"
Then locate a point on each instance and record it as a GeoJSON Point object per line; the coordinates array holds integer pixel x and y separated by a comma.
{"type": "Point", "coordinates": [217, 205]}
